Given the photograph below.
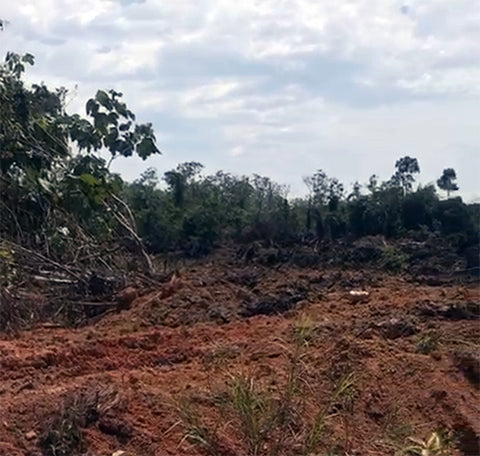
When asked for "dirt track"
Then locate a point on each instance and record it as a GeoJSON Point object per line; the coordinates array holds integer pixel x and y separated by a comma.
{"type": "Point", "coordinates": [154, 353]}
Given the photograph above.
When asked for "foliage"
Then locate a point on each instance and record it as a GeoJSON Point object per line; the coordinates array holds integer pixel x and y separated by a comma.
{"type": "Point", "coordinates": [453, 216]}
{"type": "Point", "coordinates": [272, 421]}
{"type": "Point", "coordinates": [195, 212]}
{"type": "Point", "coordinates": [393, 259]}
{"type": "Point", "coordinates": [427, 343]}
{"type": "Point", "coordinates": [7, 266]}
{"type": "Point", "coordinates": [196, 431]}
{"type": "Point", "coordinates": [55, 189]}
{"type": "Point", "coordinates": [63, 435]}
{"type": "Point", "coordinates": [417, 208]}
{"type": "Point", "coordinates": [403, 177]}
{"type": "Point", "coordinates": [63, 432]}
{"type": "Point", "coordinates": [435, 445]}
{"type": "Point", "coordinates": [58, 196]}
{"type": "Point", "coordinates": [446, 181]}
{"type": "Point", "coordinates": [15, 312]}
{"type": "Point", "coordinates": [254, 410]}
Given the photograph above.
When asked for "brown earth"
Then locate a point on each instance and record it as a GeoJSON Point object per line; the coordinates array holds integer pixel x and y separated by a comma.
{"type": "Point", "coordinates": [221, 319]}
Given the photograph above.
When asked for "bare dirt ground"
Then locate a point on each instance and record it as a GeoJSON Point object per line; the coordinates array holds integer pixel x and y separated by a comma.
{"type": "Point", "coordinates": [410, 350]}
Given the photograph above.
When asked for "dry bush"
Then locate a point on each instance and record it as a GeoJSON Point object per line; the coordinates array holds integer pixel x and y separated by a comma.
{"type": "Point", "coordinates": [63, 432]}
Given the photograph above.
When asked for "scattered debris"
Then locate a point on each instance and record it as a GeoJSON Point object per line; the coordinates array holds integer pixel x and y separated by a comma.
{"type": "Point", "coordinates": [201, 337]}
{"type": "Point", "coordinates": [358, 296]}
{"type": "Point", "coordinates": [31, 435]}
{"type": "Point", "coordinates": [126, 297]}
{"type": "Point", "coordinates": [272, 305]}
{"type": "Point", "coordinates": [451, 311]}
{"type": "Point", "coordinates": [115, 426]}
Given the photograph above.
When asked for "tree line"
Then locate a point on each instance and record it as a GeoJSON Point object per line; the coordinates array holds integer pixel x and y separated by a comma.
{"type": "Point", "coordinates": [59, 197]}
{"type": "Point", "coordinates": [194, 211]}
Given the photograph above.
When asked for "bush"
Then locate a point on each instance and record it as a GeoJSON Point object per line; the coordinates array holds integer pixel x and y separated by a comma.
{"type": "Point", "coordinates": [393, 259]}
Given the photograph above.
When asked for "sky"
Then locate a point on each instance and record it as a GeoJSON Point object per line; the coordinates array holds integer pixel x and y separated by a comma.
{"type": "Point", "coordinates": [274, 87]}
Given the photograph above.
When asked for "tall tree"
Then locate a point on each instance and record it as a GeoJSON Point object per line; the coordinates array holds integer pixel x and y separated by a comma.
{"type": "Point", "coordinates": [446, 181]}
{"type": "Point", "coordinates": [403, 177]}
{"type": "Point", "coordinates": [178, 179]}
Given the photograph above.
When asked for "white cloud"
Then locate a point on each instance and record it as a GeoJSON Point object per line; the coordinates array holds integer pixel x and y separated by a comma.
{"type": "Point", "coordinates": [447, 81]}
{"type": "Point", "coordinates": [237, 151]}
{"type": "Point", "coordinates": [128, 58]}
{"type": "Point", "coordinates": [274, 86]}
{"type": "Point", "coordinates": [392, 46]}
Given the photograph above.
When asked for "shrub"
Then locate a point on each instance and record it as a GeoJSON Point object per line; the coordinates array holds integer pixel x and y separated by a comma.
{"type": "Point", "coordinates": [393, 259]}
{"type": "Point", "coordinates": [427, 343]}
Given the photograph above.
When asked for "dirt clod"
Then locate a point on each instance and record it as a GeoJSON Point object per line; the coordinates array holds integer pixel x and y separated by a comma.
{"type": "Point", "coordinates": [451, 311]}
{"type": "Point", "coordinates": [468, 360]}
{"type": "Point", "coordinates": [31, 435]}
{"type": "Point", "coordinates": [126, 297]}
{"type": "Point", "coordinates": [272, 304]}
{"type": "Point", "coordinates": [115, 426]}
{"type": "Point", "coordinates": [394, 328]}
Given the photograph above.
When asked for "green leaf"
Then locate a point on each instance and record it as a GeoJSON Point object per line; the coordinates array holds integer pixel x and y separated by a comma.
{"type": "Point", "coordinates": [89, 179]}
{"type": "Point", "coordinates": [45, 185]}
{"type": "Point", "coordinates": [113, 118]}
{"type": "Point", "coordinates": [103, 98]}
{"type": "Point", "coordinates": [125, 126]}
{"type": "Point", "coordinates": [92, 107]}
{"type": "Point", "coordinates": [146, 147]}
{"type": "Point", "coordinates": [28, 58]}
{"type": "Point", "coordinates": [124, 148]}
{"type": "Point", "coordinates": [110, 138]}
{"type": "Point", "coordinates": [121, 108]}
{"type": "Point", "coordinates": [101, 121]}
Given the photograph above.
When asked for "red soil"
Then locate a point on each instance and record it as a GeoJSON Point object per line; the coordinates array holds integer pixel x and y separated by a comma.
{"type": "Point", "coordinates": [191, 339]}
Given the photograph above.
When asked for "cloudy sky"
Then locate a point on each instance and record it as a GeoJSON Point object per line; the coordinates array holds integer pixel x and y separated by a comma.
{"type": "Point", "coordinates": [276, 87]}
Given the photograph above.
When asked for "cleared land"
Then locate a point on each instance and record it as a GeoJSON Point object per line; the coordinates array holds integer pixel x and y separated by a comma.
{"type": "Point", "coordinates": [150, 379]}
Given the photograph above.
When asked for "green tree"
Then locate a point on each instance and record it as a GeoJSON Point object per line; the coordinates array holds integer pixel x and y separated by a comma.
{"type": "Point", "coordinates": [403, 177]}
{"type": "Point", "coordinates": [372, 183]}
{"type": "Point", "coordinates": [446, 181]}
{"type": "Point", "coordinates": [179, 179]}
{"type": "Point", "coordinates": [51, 176]}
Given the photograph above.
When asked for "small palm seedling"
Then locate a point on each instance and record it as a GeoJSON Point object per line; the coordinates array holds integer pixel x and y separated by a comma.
{"type": "Point", "coordinates": [427, 343]}
{"type": "Point", "coordinates": [63, 433]}
{"type": "Point", "coordinates": [435, 445]}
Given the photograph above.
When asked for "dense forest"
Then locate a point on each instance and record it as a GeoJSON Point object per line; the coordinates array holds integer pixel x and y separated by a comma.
{"type": "Point", "coordinates": [57, 190]}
